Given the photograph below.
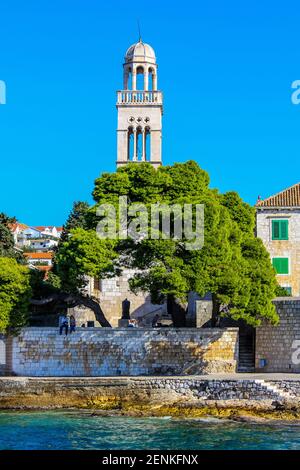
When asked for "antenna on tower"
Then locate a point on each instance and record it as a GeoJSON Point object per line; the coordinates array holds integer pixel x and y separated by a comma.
{"type": "Point", "coordinates": [139, 28]}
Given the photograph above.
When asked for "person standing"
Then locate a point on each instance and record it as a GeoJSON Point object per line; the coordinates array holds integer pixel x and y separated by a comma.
{"type": "Point", "coordinates": [63, 323]}
{"type": "Point", "coordinates": [155, 321]}
{"type": "Point", "coordinates": [72, 324]}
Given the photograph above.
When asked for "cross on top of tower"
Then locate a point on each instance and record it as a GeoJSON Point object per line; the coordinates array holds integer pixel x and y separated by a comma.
{"type": "Point", "coordinates": [140, 36]}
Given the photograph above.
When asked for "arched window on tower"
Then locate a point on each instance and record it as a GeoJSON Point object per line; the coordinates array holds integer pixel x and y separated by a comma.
{"type": "Point", "coordinates": [140, 78]}
{"type": "Point", "coordinates": [151, 79]}
{"type": "Point", "coordinates": [130, 141]}
{"type": "Point", "coordinates": [128, 81]}
{"type": "Point", "coordinates": [139, 144]}
{"type": "Point", "coordinates": [147, 144]}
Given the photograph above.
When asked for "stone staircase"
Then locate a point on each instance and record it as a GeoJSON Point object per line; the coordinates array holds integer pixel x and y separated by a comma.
{"type": "Point", "coordinates": [276, 390]}
{"type": "Point", "coordinates": [146, 319]}
{"type": "Point", "coordinates": [246, 354]}
{"type": "Point", "coordinates": [242, 389]}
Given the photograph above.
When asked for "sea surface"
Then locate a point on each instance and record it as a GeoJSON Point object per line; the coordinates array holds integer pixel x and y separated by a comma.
{"type": "Point", "coordinates": [65, 430]}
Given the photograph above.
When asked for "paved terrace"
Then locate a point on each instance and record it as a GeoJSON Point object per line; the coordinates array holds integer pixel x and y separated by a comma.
{"type": "Point", "coordinates": [244, 376]}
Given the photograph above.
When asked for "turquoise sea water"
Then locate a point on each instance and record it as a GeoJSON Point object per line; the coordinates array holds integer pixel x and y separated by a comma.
{"type": "Point", "coordinates": [81, 430]}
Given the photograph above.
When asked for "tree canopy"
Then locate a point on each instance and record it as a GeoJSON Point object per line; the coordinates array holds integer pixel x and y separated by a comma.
{"type": "Point", "coordinates": [6, 238]}
{"type": "Point", "coordinates": [15, 292]}
{"type": "Point", "coordinates": [83, 254]}
{"type": "Point", "coordinates": [76, 219]}
{"type": "Point", "coordinates": [15, 288]}
{"type": "Point", "coordinates": [233, 265]}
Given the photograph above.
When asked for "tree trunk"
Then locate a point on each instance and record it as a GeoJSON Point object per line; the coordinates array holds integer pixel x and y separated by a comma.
{"type": "Point", "coordinates": [176, 311]}
{"type": "Point", "coordinates": [215, 319]}
{"type": "Point", "coordinates": [74, 300]}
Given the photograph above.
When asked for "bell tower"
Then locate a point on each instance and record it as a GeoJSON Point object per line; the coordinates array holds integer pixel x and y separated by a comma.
{"type": "Point", "coordinates": [140, 109]}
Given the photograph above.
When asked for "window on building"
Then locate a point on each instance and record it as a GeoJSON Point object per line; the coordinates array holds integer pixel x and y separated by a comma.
{"type": "Point", "coordinates": [281, 265]}
{"type": "Point", "coordinates": [97, 284]}
{"type": "Point", "coordinates": [280, 229]}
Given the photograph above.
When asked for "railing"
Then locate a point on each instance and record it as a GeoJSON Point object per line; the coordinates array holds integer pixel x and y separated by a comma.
{"type": "Point", "coordinates": [139, 97]}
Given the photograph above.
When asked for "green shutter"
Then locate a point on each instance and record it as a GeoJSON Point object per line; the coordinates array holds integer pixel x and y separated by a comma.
{"type": "Point", "coordinates": [281, 265]}
{"type": "Point", "coordinates": [280, 229]}
{"type": "Point", "coordinates": [284, 224]}
{"type": "Point", "coordinates": [275, 229]}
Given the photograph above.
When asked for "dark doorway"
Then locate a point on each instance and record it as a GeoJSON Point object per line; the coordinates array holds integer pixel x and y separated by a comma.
{"type": "Point", "coordinates": [246, 356]}
{"type": "Point", "coordinates": [246, 348]}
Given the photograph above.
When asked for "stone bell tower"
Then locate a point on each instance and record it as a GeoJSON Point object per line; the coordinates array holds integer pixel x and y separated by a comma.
{"type": "Point", "coordinates": [140, 109]}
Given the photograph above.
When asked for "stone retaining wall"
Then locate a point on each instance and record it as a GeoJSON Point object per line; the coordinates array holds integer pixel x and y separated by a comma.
{"type": "Point", "coordinates": [276, 346]}
{"type": "Point", "coordinates": [2, 355]}
{"type": "Point", "coordinates": [123, 351]}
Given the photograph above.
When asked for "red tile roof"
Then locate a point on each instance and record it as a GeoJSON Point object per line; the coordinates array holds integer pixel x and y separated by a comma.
{"type": "Point", "coordinates": [288, 198]}
{"type": "Point", "coordinates": [44, 268]}
{"type": "Point", "coordinates": [41, 228]}
{"type": "Point", "coordinates": [14, 227]}
{"type": "Point", "coordinates": [47, 255]}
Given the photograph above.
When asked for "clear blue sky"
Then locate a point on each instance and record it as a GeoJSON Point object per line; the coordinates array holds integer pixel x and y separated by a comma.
{"type": "Point", "coordinates": [225, 67]}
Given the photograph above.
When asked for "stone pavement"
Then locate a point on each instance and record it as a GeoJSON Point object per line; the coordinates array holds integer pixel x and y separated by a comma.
{"type": "Point", "coordinates": [210, 377]}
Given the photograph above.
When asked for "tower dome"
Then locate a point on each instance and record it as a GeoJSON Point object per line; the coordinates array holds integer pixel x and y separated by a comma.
{"type": "Point", "coordinates": [140, 52]}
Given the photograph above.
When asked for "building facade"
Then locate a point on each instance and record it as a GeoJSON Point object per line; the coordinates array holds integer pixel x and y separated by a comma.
{"type": "Point", "coordinates": [278, 225]}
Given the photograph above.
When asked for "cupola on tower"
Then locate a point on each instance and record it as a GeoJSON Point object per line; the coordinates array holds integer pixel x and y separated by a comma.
{"type": "Point", "coordinates": [140, 108]}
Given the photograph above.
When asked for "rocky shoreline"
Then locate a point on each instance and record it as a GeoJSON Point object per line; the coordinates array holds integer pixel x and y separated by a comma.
{"type": "Point", "coordinates": [179, 397]}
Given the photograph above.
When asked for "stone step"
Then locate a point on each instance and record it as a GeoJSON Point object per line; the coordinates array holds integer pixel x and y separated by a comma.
{"type": "Point", "coordinates": [275, 389]}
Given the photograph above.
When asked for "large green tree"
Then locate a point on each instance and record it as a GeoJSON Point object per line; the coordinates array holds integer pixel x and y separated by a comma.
{"type": "Point", "coordinates": [84, 254]}
{"type": "Point", "coordinates": [15, 292]}
{"type": "Point", "coordinates": [6, 238]}
{"type": "Point", "coordinates": [14, 280]}
{"type": "Point", "coordinates": [77, 219]}
{"type": "Point", "coordinates": [81, 255]}
{"type": "Point", "coordinates": [233, 265]}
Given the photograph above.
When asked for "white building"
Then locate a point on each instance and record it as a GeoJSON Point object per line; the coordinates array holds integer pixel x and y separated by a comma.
{"type": "Point", "coordinates": [39, 238]}
{"type": "Point", "coordinates": [39, 259]}
{"type": "Point", "coordinates": [51, 231]}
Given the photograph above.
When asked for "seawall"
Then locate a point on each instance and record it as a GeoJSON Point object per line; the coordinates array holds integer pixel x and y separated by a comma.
{"type": "Point", "coordinates": [100, 352]}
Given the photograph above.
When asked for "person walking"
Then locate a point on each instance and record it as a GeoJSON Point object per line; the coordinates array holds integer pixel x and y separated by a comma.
{"type": "Point", "coordinates": [63, 323]}
{"type": "Point", "coordinates": [72, 324]}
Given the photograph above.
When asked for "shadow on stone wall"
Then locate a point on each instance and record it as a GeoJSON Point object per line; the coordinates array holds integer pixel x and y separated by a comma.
{"type": "Point", "coordinates": [125, 351]}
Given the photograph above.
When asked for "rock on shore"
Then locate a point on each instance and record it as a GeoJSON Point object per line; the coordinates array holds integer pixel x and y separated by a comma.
{"type": "Point", "coordinates": [234, 398]}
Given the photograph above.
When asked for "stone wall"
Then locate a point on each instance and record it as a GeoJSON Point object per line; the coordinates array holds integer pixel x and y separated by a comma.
{"type": "Point", "coordinates": [123, 351]}
{"type": "Point", "coordinates": [2, 354]}
{"type": "Point", "coordinates": [276, 345]}
{"type": "Point", "coordinates": [204, 310]}
{"type": "Point", "coordinates": [111, 292]}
